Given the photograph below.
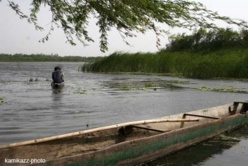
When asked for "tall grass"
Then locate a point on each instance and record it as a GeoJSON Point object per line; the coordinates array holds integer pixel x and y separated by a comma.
{"type": "Point", "coordinates": [223, 63]}
{"type": "Point", "coordinates": [217, 53]}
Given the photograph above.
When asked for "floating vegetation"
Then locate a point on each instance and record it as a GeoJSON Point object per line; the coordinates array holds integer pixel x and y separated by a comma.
{"type": "Point", "coordinates": [149, 84]}
{"type": "Point", "coordinates": [172, 86]}
{"type": "Point", "coordinates": [33, 80]}
{"type": "Point", "coordinates": [125, 88]}
{"type": "Point", "coordinates": [178, 82]}
{"type": "Point", "coordinates": [80, 91]}
{"type": "Point", "coordinates": [1, 100]}
{"type": "Point", "coordinates": [229, 89]}
{"type": "Point", "coordinates": [141, 85]}
{"type": "Point", "coordinates": [229, 139]}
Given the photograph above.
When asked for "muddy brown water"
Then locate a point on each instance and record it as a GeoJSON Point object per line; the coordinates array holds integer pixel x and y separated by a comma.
{"type": "Point", "coordinates": [31, 109]}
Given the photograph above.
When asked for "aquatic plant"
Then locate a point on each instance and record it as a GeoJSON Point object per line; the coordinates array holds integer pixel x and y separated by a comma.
{"type": "Point", "coordinates": [1, 100]}
{"type": "Point", "coordinates": [80, 91]}
{"type": "Point", "coordinates": [195, 61]}
{"type": "Point", "coordinates": [131, 85]}
{"type": "Point", "coordinates": [148, 85]}
{"type": "Point", "coordinates": [226, 63]}
{"type": "Point", "coordinates": [230, 89]}
{"type": "Point", "coordinates": [126, 88]}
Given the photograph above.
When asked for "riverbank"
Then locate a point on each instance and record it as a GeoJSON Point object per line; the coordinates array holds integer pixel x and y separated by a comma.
{"type": "Point", "coordinates": [225, 63]}
{"type": "Point", "coordinates": [204, 54]}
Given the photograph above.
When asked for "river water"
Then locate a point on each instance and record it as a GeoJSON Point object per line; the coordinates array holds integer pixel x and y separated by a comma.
{"type": "Point", "coordinates": [31, 109]}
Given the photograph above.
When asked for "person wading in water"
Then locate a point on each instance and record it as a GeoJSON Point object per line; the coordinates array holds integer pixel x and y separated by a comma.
{"type": "Point", "coordinates": [57, 75]}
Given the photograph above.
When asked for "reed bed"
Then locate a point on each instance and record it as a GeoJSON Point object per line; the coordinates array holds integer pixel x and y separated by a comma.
{"type": "Point", "coordinates": [225, 63]}
{"type": "Point", "coordinates": [203, 54]}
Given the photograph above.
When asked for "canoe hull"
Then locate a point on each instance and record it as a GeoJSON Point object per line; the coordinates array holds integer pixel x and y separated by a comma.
{"type": "Point", "coordinates": [133, 142]}
{"type": "Point", "coordinates": [138, 151]}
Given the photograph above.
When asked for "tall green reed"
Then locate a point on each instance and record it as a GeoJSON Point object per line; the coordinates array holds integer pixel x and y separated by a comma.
{"type": "Point", "coordinates": [223, 63]}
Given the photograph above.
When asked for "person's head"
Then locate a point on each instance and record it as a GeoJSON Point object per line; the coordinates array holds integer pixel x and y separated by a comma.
{"type": "Point", "coordinates": [56, 68]}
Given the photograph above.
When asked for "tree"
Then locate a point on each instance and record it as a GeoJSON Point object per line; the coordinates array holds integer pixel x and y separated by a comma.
{"type": "Point", "coordinates": [127, 16]}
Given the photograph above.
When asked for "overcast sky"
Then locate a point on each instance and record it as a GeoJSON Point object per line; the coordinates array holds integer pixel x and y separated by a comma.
{"type": "Point", "coordinates": [18, 36]}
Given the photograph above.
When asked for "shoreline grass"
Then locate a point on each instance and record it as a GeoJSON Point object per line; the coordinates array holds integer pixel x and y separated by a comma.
{"type": "Point", "coordinates": [220, 53]}
{"type": "Point", "coordinates": [225, 63]}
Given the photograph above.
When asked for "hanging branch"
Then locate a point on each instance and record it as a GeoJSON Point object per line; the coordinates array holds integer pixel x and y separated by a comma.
{"type": "Point", "coordinates": [127, 16]}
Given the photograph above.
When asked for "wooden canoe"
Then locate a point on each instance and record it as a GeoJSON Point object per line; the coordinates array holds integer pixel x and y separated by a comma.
{"type": "Point", "coordinates": [129, 143]}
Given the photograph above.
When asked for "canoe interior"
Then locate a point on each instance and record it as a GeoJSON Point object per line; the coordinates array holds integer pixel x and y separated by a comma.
{"type": "Point", "coordinates": [103, 138]}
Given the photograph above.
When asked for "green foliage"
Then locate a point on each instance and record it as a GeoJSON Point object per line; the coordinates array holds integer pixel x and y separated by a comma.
{"type": "Point", "coordinates": [208, 41]}
{"type": "Point", "coordinates": [1, 100]}
{"type": "Point", "coordinates": [127, 16]}
{"type": "Point", "coordinates": [120, 62]}
{"type": "Point", "coordinates": [204, 54]}
{"type": "Point", "coordinates": [213, 54]}
{"type": "Point", "coordinates": [226, 63]}
{"type": "Point", "coordinates": [229, 89]}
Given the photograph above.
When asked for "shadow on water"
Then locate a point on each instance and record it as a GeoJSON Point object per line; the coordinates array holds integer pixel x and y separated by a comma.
{"type": "Point", "coordinates": [194, 154]}
{"type": "Point", "coordinates": [57, 96]}
{"type": "Point", "coordinates": [201, 153]}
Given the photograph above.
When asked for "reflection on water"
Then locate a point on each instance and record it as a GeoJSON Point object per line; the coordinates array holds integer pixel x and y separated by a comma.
{"type": "Point", "coordinates": [57, 95]}
{"type": "Point", "coordinates": [227, 149]}
{"type": "Point", "coordinates": [33, 110]}
{"type": "Point", "coordinates": [185, 157]}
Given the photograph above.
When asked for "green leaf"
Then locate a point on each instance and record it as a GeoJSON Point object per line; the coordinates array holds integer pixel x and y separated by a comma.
{"type": "Point", "coordinates": [127, 16]}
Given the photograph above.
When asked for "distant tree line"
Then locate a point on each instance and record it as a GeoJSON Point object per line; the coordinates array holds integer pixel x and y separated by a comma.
{"type": "Point", "coordinates": [208, 41]}
{"type": "Point", "coordinates": [43, 58]}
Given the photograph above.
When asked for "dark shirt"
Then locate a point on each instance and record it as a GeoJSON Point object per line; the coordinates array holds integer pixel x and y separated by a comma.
{"type": "Point", "coordinates": [57, 76]}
